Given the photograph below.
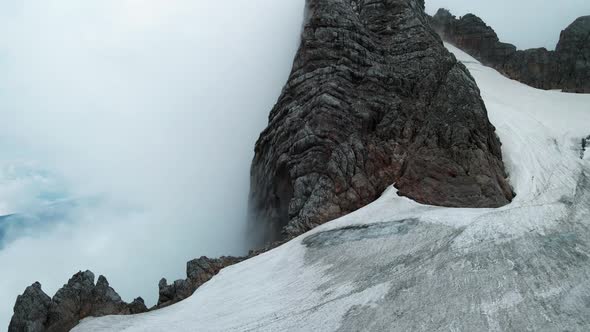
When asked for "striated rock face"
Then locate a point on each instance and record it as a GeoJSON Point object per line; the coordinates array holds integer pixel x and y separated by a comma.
{"type": "Point", "coordinates": [198, 272]}
{"type": "Point", "coordinates": [536, 67]}
{"type": "Point", "coordinates": [34, 311]}
{"type": "Point", "coordinates": [573, 51]}
{"type": "Point", "coordinates": [373, 99]}
{"type": "Point", "coordinates": [566, 68]}
{"type": "Point", "coordinates": [31, 310]}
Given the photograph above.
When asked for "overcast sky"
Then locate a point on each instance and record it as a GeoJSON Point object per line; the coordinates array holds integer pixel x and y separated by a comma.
{"type": "Point", "coordinates": [524, 23]}
{"type": "Point", "coordinates": [154, 106]}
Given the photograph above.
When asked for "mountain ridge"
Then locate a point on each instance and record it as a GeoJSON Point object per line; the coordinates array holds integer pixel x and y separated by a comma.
{"type": "Point", "coordinates": [182, 289]}
{"type": "Point", "coordinates": [567, 68]}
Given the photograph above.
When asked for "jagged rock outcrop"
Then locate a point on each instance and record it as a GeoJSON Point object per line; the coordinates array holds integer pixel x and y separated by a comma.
{"type": "Point", "coordinates": [198, 272]}
{"type": "Point", "coordinates": [566, 68]}
{"type": "Point", "coordinates": [31, 310]}
{"type": "Point", "coordinates": [472, 35]}
{"type": "Point", "coordinates": [373, 99]}
{"type": "Point", "coordinates": [35, 311]}
{"type": "Point", "coordinates": [573, 51]}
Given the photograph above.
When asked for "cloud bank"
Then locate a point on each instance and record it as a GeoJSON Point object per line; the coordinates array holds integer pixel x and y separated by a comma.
{"type": "Point", "coordinates": [147, 112]}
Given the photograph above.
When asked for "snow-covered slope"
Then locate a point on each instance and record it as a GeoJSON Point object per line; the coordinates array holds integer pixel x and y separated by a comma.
{"type": "Point", "coordinates": [396, 265]}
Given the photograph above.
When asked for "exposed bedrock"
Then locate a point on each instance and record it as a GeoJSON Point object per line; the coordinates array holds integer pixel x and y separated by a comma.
{"type": "Point", "coordinates": [373, 99]}
{"type": "Point", "coordinates": [198, 272]}
{"type": "Point", "coordinates": [80, 298]}
{"type": "Point", "coordinates": [566, 68]}
{"type": "Point", "coordinates": [573, 51]}
{"type": "Point", "coordinates": [35, 311]}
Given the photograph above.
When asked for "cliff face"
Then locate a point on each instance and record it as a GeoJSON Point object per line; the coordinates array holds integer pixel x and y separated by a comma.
{"type": "Point", "coordinates": [373, 99]}
{"type": "Point", "coordinates": [566, 68]}
{"type": "Point", "coordinates": [573, 50]}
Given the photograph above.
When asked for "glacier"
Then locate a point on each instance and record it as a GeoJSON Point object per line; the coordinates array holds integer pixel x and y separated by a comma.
{"type": "Point", "coordinates": [398, 265]}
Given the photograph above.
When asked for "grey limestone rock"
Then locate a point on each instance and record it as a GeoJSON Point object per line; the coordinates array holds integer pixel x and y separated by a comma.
{"type": "Point", "coordinates": [198, 272]}
{"type": "Point", "coordinates": [34, 311]}
{"type": "Point", "coordinates": [31, 310]}
{"type": "Point", "coordinates": [573, 51]}
{"type": "Point", "coordinates": [373, 99]}
{"type": "Point", "coordinates": [80, 298]}
{"type": "Point", "coordinates": [137, 306]}
{"type": "Point", "coordinates": [566, 68]}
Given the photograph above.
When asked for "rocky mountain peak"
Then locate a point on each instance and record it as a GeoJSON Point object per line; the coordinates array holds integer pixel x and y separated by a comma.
{"type": "Point", "coordinates": [30, 310]}
{"type": "Point", "coordinates": [373, 99]}
{"type": "Point", "coordinates": [573, 52]}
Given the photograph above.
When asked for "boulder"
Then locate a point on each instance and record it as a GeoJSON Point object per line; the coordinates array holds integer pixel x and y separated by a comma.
{"type": "Point", "coordinates": [137, 306]}
{"type": "Point", "coordinates": [80, 298]}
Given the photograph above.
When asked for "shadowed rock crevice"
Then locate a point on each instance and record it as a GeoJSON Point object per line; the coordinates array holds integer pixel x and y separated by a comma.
{"type": "Point", "coordinates": [373, 99]}
{"type": "Point", "coordinates": [566, 68]}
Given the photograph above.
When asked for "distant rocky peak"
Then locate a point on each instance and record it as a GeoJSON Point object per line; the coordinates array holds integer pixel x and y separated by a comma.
{"type": "Point", "coordinates": [567, 68]}
{"type": "Point", "coordinates": [576, 35]}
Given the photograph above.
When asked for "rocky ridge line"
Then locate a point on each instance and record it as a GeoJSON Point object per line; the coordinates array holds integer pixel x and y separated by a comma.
{"type": "Point", "coordinates": [35, 311]}
{"type": "Point", "coordinates": [80, 298]}
{"type": "Point", "coordinates": [567, 68]}
{"type": "Point", "coordinates": [373, 99]}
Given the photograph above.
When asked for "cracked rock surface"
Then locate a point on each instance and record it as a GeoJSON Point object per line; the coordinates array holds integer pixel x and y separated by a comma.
{"type": "Point", "coordinates": [373, 99]}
